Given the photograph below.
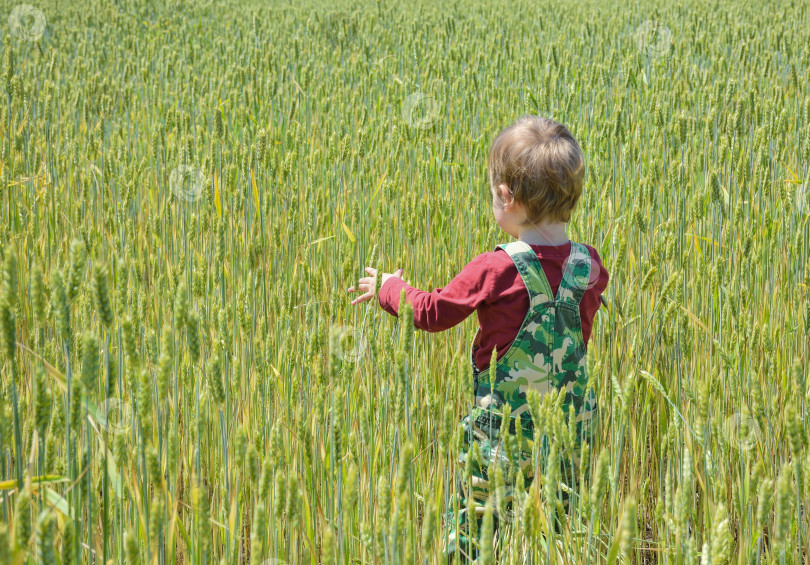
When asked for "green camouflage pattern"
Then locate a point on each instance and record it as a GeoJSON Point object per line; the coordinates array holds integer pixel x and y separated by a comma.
{"type": "Point", "coordinates": [548, 353]}
{"type": "Point", "coordinates": [460, 543]}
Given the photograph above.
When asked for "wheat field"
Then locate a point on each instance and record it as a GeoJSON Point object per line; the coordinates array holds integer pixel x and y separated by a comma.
{"type": "Point", "coordinates": [187, 190]}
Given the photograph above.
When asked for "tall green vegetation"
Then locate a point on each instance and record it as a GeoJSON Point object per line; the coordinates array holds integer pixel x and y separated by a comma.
{"type": "Point", "coordinates": [187, 189]}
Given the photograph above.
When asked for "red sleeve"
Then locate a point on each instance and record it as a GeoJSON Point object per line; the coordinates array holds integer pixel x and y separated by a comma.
{"type": "Point", "coordinates": [444, 307]}
{"type": "Point", "coordinates": [592, 299]}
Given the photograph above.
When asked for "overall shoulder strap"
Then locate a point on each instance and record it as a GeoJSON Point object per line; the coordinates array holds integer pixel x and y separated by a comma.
{"type": "Point", "coordinates": [576, 274]}
{"type": "Point", "coordinates": [530, 269]}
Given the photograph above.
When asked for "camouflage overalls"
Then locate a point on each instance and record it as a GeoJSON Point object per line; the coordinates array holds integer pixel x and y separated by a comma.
{"type": "Point", "coordinates": [548, 352]}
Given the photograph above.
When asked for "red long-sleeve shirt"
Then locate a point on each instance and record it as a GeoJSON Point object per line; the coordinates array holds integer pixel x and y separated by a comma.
{"type": "Point", "coordinates": [491, 285]}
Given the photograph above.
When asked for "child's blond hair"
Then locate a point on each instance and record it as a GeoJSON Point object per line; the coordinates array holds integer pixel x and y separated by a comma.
{"type": "Point", "coordinates": [543, 166]}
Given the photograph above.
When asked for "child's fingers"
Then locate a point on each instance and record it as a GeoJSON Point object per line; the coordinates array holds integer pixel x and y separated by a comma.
{"type": "Point", "coordinates": [363, 298]}
{"type": "Point", "coordinates": [363, 284]}
{"type": "Point", "coordinates": [366, 284]}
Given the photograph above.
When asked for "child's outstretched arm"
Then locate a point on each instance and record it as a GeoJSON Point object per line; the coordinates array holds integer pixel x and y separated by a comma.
{"type": "Point", "coordinates": [438, 310]}
{"type": "Point", "coordinates": [366, 284]}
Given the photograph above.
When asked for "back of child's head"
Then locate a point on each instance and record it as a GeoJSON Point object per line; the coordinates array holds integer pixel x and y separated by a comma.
{"type": "Point", "coordinates": [542, 164]}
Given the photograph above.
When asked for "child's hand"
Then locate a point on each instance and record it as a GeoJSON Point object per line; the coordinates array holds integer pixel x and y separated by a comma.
{"type": "Point", "coordinates": [367, 284]}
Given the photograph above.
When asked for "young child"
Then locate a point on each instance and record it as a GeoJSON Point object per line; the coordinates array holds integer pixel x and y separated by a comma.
{"type": "Point", "coordinates": [536, 299]}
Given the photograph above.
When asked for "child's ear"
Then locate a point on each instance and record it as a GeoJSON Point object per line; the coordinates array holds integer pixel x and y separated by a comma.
{"type": "Point", "coordinates": [506, 194]}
